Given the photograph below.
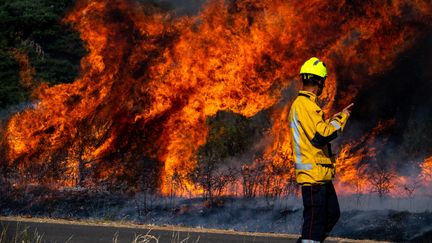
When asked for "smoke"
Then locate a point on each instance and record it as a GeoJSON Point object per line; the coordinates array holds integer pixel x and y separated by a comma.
{"type": "Point", "coordinates": [6, 113]}
{"type": "Point", "coordinates": [157, 88]}
{"type": "Point", "coordinates": [368, 218]}
{"type": "Point", "coordinates": [179, 7]}
{"type": "Point", "coordinates": [401, 97]}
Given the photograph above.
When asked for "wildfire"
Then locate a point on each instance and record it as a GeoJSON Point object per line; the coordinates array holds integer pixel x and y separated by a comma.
{"type": "Point", "coordinates": [351, 166]}
{"type": "Point", "coordinates": [150, 81]}
{"type": "Point", "coordinates": [426, 171]}
{"type": "Point", "coordinates": [26, 70]}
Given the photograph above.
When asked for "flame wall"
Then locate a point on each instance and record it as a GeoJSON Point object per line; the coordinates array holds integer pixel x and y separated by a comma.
{"type": "Point", "coordinates": [150, 81]}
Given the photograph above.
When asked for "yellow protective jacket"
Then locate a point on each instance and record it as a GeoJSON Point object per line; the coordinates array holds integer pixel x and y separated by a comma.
{"type": "Point", "coordinates": [311, 135]}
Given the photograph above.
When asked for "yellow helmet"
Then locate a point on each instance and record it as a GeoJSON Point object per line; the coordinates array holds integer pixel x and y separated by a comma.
{"type": "Point", "coordinates": [314, 66]}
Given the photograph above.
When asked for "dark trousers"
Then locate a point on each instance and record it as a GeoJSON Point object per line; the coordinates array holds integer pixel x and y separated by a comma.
{"type": "Point", "coordinates": [321, 211]}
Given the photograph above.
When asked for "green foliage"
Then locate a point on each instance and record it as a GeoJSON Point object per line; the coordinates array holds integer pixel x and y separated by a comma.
{"type": "Point", "coordinates": [11, 91]}
{"type": "Point", "coordinates": [230, 134]}
{"type": "Point", "coordinates": [34, 27]}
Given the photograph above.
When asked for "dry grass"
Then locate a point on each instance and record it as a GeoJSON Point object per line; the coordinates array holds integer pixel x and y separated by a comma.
{"type": "Point", "coordinates": [24, 235]}
{"type": "Point", "coordinates": [3, 235]}
{"type": "Point", "coordinates": [21, 235]}
{"type": "Point", "coordinates": [148, 237]}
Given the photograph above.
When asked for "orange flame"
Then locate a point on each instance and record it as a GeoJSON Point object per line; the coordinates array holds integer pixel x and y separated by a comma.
{"type": "Point", "coordinates": [150, 80]}
{"type": "Point", "coordinates": [426, 171]}
{"type": "Point", "coordinates": [350, 169]}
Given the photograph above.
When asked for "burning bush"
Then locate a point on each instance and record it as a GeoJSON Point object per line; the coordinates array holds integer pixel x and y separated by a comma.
{"type": "Point", "coordinates": [151, 80]}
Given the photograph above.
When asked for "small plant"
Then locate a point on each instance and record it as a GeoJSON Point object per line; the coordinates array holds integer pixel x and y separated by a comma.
{"type": "Point", "coordinates": [382, 180]}
{"type": "Point", "coordinates": [3, 234]}
{"type": "Point", "coordinates": [115, 238]}
{"type": "Point", "coordinates": [176, 238]}
{"type": "Point", "coordinates": [22, 235]}
{"type": "Point", "coordinates": [148, 238]}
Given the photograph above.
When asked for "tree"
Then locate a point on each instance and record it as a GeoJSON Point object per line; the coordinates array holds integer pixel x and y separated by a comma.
{"type": "Point", "coordinates": [410, 188]}
{"type": "Point", "coordinates": [381, 180]}
{"type": "Point", "coordinates": [250, 179]}
{"type": "Point", "coordinates": [211, 178]}
{"type": "Point", "coordinates": [147, 185]}
{"type": "Point", "coordinates": [273, 181]}
{"type": "Point", "coordinates": [11, 91]}
{"type": "Point", "coordinates": [34, 27]}
{"type": "Point", "coordinates": [230, 134]}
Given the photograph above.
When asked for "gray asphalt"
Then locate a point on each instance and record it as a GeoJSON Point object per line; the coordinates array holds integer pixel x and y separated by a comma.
{"type": "Point", "coordinates": [85, 233]}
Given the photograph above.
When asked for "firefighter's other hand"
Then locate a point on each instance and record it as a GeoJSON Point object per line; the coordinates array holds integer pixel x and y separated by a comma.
{"type": "Point", "coordinates": [347, 110]}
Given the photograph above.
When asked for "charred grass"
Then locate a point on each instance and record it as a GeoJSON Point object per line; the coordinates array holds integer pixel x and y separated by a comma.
{"type": "Point", "coordinates": [277, 215]}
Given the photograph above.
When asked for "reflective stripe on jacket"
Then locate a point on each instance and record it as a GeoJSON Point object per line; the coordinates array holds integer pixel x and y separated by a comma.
{"type": "Point", "coordinates": [311, 135]}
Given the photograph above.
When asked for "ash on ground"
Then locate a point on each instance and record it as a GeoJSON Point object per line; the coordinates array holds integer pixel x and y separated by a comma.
{"type": "Point", "coordinates": [366, 217]}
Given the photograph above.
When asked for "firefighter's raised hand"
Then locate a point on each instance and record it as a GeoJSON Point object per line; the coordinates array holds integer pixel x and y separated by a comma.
{"type": "Point", "coordinates": [347, 110]}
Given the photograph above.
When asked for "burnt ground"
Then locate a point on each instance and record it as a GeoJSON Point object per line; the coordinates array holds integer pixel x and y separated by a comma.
{"type": "Point", "coordinates": [241, 215]}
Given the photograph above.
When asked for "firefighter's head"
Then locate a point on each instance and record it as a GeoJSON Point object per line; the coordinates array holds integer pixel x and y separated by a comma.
{"type": "Point", "coordinates": [314, 73]}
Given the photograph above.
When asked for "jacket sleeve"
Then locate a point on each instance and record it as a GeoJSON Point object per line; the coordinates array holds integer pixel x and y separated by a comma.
{"type": "Point", "coordinates": [319, 131]}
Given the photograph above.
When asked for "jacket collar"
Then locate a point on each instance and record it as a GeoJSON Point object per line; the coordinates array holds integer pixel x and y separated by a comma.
{"type": "Point", "coordinates": [308, 94]}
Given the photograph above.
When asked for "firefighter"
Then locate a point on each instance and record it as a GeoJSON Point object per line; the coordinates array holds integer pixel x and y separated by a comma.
{"type": "Point", "coordinates": [314, 164]}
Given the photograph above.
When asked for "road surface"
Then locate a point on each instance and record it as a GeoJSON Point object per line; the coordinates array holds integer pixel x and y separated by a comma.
{"type": "Point", "coordinates": [72, 231]}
